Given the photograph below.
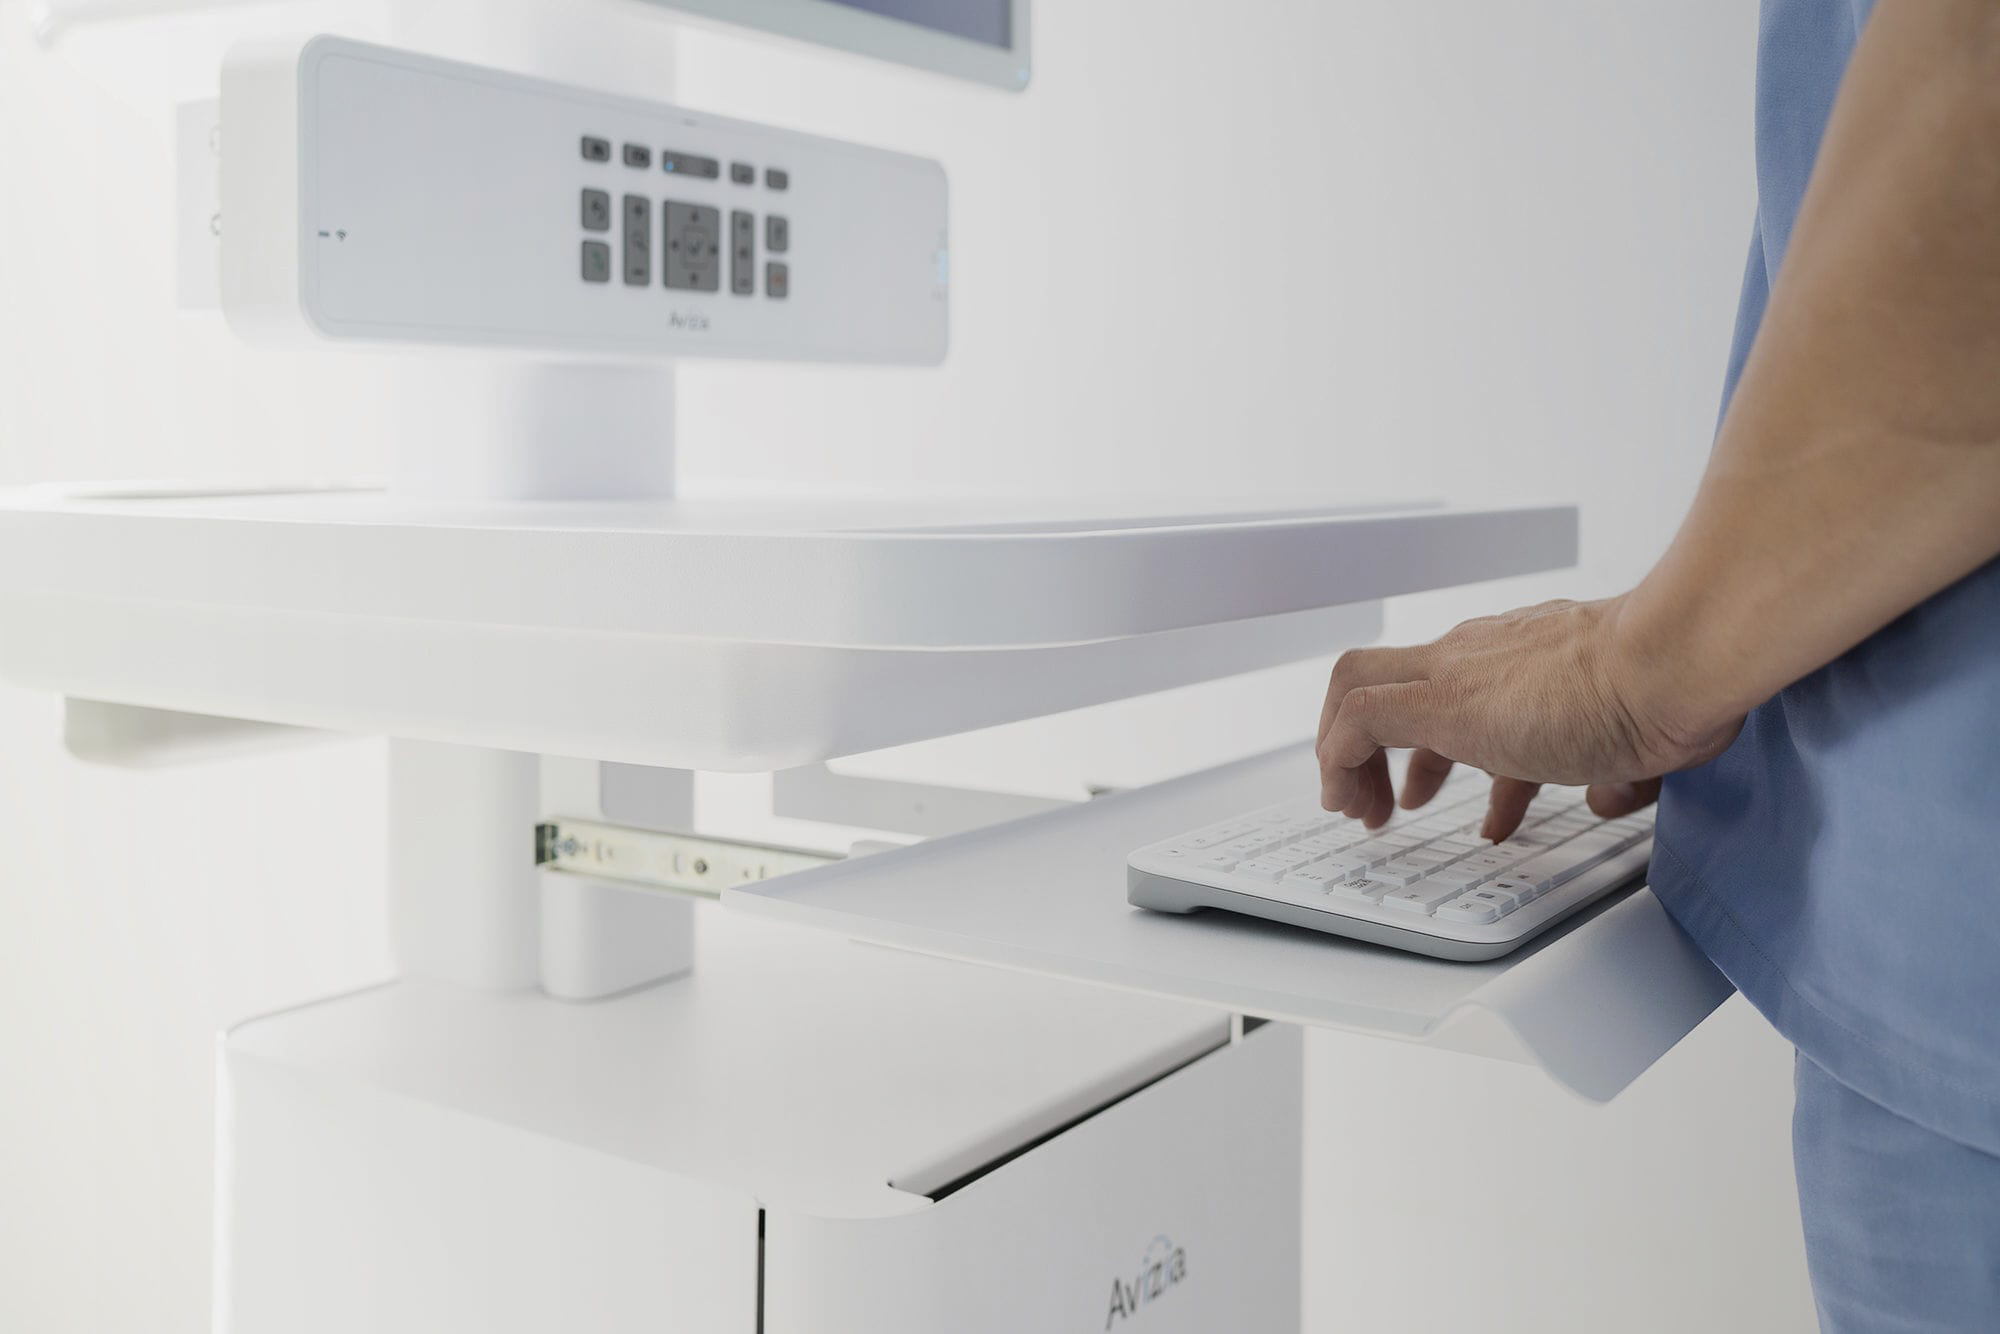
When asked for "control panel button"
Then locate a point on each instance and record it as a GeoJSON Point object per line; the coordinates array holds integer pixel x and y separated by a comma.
{"type": "Point", "coordinates": [689, 164]}
{"type": "Point", "coordinates": [596, 262]}
{"type": "Point", "coordinates": [596, 210]}
{"type": "Point", "coordinates": [595, 149]}
{"type": "Point", "coordinates": [694, 246]}
{"type": "Point", "coordinates": [638, 155]}
{"type": "Point", "coordinates": [638, 241]}
{"type": "Point", "coordinates": [742, 173]}
{"type": "Point", "coordinates": [777, 280]}
{"type": "Point", "coordinates": [742, 247]}
{"type": "Point", "coordinates": [777, 234]}
{"type": "Point", "coordinates": [777, 178]}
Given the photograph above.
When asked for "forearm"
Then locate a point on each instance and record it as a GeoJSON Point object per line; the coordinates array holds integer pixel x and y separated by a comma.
{"type": "Point", "coordinates": [1858, 469]}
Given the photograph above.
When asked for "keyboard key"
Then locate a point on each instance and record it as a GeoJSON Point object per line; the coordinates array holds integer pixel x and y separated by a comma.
{"type": "Point", "coordinates": [1543, 876]}
{"type": "Point", "coordinates": [1468, 912]}
{"type": "Point", "coordinates": [1335, 839]}
{"type": "Point", "coordinates": [1421, 897]}
{"type": "Point", "coordinates": [1492, 862]}
{"type": "Point", "coordinates": [1500, 900]}
{"type": "Point", "coordinates": [1561, 865]}
{"type": "Point", "coordinates": [1218, 861]}
{"type": "Point", "coordinates": [1264, 868]}
{"type": "Point", "coordinates": [1359, 890]}
{"type": "Point", "coordinates": [1314, 876]}
{"type": "Point", "coordinates": [1529, 841]}
{"type": "Point", "coordinates": [1524, 891]}
{"type": "Point", "coordinates": [1203, 840]}
{"type": "Point", "coordinates": [1373, 851]}
{"type": "Point", "coordinates": [1461, 875]}
{"type": "Point", "coordinates": [1503, 901]}
{"type": "Point", "coordinates": [1400, 873]}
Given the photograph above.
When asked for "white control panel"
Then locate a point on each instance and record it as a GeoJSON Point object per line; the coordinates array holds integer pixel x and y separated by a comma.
{"type": "Point", "coordinates": [370, 194]}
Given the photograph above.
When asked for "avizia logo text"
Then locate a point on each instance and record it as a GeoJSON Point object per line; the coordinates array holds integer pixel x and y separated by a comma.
{"type": "Point", "coordinates": [1161, 1269]}
{"type": "Point", "coordinates": [693, 321]}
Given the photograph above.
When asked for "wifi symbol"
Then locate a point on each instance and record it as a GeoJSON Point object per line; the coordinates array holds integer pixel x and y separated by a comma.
{"type": "Point", "coordinates": [340, 234]}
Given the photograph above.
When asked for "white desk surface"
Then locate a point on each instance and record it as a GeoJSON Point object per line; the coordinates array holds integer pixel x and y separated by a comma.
{"type": "Point", "coordinates": [727, 634]}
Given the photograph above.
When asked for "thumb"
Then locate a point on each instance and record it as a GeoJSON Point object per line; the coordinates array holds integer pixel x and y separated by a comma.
{"type": "Point", "coordinates": [1608, 801]}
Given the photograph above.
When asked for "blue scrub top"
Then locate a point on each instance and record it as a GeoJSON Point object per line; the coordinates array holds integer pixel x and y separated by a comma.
{"type": "Point", "coordinates": [1841, 862]}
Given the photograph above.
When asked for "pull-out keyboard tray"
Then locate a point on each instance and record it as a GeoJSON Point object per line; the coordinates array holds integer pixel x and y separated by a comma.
{"type": "Point", "coordinates": [1594, 1001]}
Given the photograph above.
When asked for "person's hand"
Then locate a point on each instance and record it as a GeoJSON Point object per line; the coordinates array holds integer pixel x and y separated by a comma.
{"type": "Point", "coordinates": [1546, 694]}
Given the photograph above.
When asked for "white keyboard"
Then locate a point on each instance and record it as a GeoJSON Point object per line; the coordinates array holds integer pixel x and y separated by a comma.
{"type": "Point", "coordinates": [1425, 882]}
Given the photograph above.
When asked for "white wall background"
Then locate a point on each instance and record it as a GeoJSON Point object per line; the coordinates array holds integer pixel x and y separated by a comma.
{"type": "Point", "coordinates": [1357, 248]}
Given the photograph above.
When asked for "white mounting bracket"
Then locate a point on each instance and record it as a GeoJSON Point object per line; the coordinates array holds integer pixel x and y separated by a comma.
{"type": "Point", "coordinates": [815, 792]}
{"type": "Point", "coordinates": [129, 736]}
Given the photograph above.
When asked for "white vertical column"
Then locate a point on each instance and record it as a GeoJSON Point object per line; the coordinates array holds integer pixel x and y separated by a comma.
{"type": "Point", "coordinates": [469, 904]}
{"type": "Point", "coordinates": [622, 48]}
{"type": "Point", "coordinates": [508, 426]}
{"type": "Point", "coordinates": [494, 426]}
{"type": "Point", "coordinates": [464, 902]}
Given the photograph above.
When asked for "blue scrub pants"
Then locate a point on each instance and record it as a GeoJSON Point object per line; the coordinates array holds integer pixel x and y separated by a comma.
{"type": "Point", "coordinates": [1902, 1226]}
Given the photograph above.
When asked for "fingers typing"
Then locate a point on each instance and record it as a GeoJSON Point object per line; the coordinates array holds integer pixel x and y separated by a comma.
{"type": "Point", "coordinates": [1507, 807]}
{"type": "Point", "coordinates": [1425, 775]}
{"type": "Point", "coordinates": [1370, 718]}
